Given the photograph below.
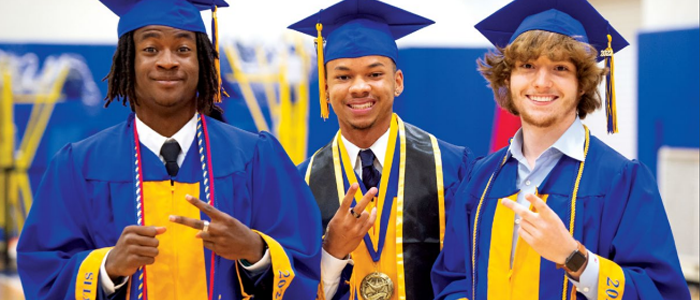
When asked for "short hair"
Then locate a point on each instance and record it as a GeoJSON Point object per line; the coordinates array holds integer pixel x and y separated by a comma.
{"type": "Point", "coordinates": [121, 78]}
{"type": "Point", "coordinates": [497, 66]}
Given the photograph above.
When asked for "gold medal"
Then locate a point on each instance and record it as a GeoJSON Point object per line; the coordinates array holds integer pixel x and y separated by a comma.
{"type": "Point", "coordinates": [376, 286]}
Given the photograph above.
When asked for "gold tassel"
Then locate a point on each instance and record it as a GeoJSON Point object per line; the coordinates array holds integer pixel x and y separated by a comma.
{"type": "Point", "coordinates": [321, 73]}
{"type": "Point", "coordinates": [610, 106]}
{"type": "Point", "coordinates": [217, 60]}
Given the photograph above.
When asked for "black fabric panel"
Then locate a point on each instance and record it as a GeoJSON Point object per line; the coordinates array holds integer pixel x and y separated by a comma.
{"type": "Point", "coordinates": [421, 229]}
{"type": "Point", "coordinates": [323, 185]}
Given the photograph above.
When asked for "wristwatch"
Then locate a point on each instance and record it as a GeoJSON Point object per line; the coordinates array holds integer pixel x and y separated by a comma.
{"type": "Point", "coordinates": [576, 259]}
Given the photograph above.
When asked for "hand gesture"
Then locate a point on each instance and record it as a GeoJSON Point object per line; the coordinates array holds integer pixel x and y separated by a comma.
{"type": "Point", "coordinates": [350, 224]}
{"type": "Point", "coordinates": [137, 246]}
{"type": "Point", "coordinates": [224, 235]}
{"type": "Point", "coordinates": [543, 230]}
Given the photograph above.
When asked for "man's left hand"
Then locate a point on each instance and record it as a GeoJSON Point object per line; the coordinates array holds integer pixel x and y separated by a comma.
{"type": "Point", "coordinates": [225, 235]}
{"type": "Point", "coordinates": [543, 230]}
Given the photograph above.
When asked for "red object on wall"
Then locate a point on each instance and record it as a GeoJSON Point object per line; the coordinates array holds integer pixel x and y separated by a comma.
{"type": "Point", "coordinates": [504, 127]}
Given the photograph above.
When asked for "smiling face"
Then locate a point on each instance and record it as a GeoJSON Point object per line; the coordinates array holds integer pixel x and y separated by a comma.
{"type": "Point", "coordinates": [362, 90]}
{"type": "Point", "coordinates": [545, 92]}
{"type": "Point", "coordinates": [166, 69]}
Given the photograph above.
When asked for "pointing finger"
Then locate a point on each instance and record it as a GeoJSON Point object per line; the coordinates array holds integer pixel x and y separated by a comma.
{"type": "Point", "coordinates": [360, 207]}
{"type": "Point", "coordinates": [538, 204]}
{"type": "Point", "coordinates": [347, 201]}
{"type": "Point", "coordinates": [207, 209]}
{"type": "Point", "coordinates": [519, 209]}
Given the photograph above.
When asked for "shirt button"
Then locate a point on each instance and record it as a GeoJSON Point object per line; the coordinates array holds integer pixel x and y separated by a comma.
{"type": "Point", "coordinates": [585, 290]}
{"type": "Point", "coordinates": [517, 221]}
{"type": "Point", "coordinates": [527, 183]}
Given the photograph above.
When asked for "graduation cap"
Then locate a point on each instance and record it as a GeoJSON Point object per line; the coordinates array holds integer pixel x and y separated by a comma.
{"type": "Point", "coordinates": [357, 28]}
{"type": "Point", "coordinates": [575, 18]}
{"type": "Point", "coordinates": [180, 14]}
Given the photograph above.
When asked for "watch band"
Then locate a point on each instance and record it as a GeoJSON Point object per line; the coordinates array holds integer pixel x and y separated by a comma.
{"type": "Point", "coordinates": [576, 259]}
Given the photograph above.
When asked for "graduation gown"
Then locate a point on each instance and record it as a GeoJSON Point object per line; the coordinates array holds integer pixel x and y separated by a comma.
{"type": "Point", "coordinates": [87, 197]}
{"type": "Point", "coordinates": [412, 214]}
{"type": "Point", "coordinates": [618, 215]}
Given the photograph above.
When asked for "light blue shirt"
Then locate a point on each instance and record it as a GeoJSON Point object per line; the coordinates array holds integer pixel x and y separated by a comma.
{"type": "Point", "coordinates": [570, 144]}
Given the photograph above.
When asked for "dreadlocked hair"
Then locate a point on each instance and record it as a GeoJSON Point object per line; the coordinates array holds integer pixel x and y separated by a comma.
{"type": "Point", "coordinates": [121, 78]}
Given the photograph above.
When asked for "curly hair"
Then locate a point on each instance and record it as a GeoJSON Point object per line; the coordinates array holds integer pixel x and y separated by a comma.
{"type": "Point", "coordinates": [121, 78]}
{"type": "Point", "coordinates": [497, 66]}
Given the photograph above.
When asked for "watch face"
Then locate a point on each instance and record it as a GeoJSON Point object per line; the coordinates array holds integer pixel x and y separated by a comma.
{"type": "Point", "coordinates": [575, 261]}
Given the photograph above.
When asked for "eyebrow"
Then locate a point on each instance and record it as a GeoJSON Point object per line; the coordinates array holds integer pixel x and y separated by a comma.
{"type": "Point", "coordinates": [150, 34]}
{"type": "Point", "coordinates": [158, 34]}
{"type": "Point", "coordinates": [344, 68]}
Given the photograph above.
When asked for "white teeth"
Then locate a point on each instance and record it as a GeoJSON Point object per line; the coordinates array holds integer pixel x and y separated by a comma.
{"type": "Point", "coordinates": [362, 106]}
{"type": "Point", "coordinates": [541, 99]}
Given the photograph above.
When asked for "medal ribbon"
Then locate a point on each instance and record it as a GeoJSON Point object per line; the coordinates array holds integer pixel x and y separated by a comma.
{"type": "Point", "coordinates": [204, 151]}
{"type": "Point", "coordinates": [375, 249]}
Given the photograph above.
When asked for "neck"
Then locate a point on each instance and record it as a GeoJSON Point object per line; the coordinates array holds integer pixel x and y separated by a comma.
{"type": "Point", "coordinates": [364, 138]}
{"type": "Point", "coordinates": [166, 124]}
{"type": "Point", "coordinates": [538, 139]}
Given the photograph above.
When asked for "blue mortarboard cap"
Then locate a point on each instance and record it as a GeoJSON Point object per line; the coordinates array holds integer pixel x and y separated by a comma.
{"type": "Point", "coordinates": [356, 28]}
{"type": "Point", "coordinates": [575, 18]}
{"type": "Point", "coordinates": [181, 14]}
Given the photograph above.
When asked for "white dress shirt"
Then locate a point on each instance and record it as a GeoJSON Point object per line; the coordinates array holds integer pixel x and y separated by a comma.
{"type": "Point", "coordinates": [153, 142]}
{"type": "Point", "coordinates": [331, 267]}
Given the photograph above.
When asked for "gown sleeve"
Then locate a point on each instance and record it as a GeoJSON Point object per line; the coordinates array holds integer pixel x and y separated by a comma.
{"type": "Point", "coordinates": [451, 273]}
{"type": "Point", "coordinates": [642, 261]}
{"type": "Point", "coordinates": [56, 255]}
{"type": "Point", "coordinates": [288, 219]}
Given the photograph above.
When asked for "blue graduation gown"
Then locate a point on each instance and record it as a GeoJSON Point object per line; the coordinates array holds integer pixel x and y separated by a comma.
{"type": "Point", "coordinates": [421, 240]}
{"type": "Point", "coordinates": [86, 198]}
{"type": "Point", "coordinates": [619, 216]}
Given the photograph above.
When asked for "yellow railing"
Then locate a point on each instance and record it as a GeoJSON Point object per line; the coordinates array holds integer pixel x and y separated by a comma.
{"type": "Point", "coordinates": [15, 179]}
{"type": "Point", "coordinates": [289, 118]}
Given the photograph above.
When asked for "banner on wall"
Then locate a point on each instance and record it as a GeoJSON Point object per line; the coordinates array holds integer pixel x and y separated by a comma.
{"type": "Point", "coordinates": [57, 92]}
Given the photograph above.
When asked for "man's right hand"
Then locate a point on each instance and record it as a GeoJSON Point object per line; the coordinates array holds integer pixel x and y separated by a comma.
{"type": "Point", "coordinates": [136, 247]}
{"type": "Point", "coordinates": [345, 230]}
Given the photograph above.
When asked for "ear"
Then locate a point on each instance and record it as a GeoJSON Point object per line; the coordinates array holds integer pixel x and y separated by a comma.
{"type": "Point", "coordinates": [328, 96]}
{"type": "Point", "coordinates": [398, 77]}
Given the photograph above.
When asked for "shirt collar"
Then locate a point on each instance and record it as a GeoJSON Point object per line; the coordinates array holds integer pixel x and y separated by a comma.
{"type": "Point", "coordinates": [378, 148]}
{"type": "Point", "coordinates": [570, 143]}
{"type": "Point", "coordinates": [154, 141]}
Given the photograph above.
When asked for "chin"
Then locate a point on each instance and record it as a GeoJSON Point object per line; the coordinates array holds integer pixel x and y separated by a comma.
{"type": "Point", "coordinates": [539, 121]}
{"type": "Point", "coordinates": [362, 125]}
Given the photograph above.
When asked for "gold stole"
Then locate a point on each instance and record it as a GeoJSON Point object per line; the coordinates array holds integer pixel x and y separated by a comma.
{"type": "Point", "coordinates": [391, 259]}
{"type": "Point", "coordinates": [179, 271]}
{"type": "Point", "coordinates": [520, 281]}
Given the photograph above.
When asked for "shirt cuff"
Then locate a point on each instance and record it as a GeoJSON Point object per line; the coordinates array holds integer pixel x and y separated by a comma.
{"type": "Point", "coordinates": [588, 282]}
{"type": "Point", "coordinates": [108, 286]}
{"type": "Point", "coordinates": [260, 266]}
{"type": "Point", "coordinates": [331, 268]}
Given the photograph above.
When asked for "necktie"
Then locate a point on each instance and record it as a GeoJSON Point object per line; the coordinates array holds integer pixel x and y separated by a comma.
{"type": "Point", "coordinates": [169, 151]}
{"type": "Point", "coordinates": [370, 175]}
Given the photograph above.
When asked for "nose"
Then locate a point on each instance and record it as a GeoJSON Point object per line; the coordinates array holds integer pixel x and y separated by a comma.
{"type": "Point", "coordinates": [542, 78]}
{"type": "Point", "coordinates": [167, 60]}
{"type": "Point", "coordinates": [359, 87]}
